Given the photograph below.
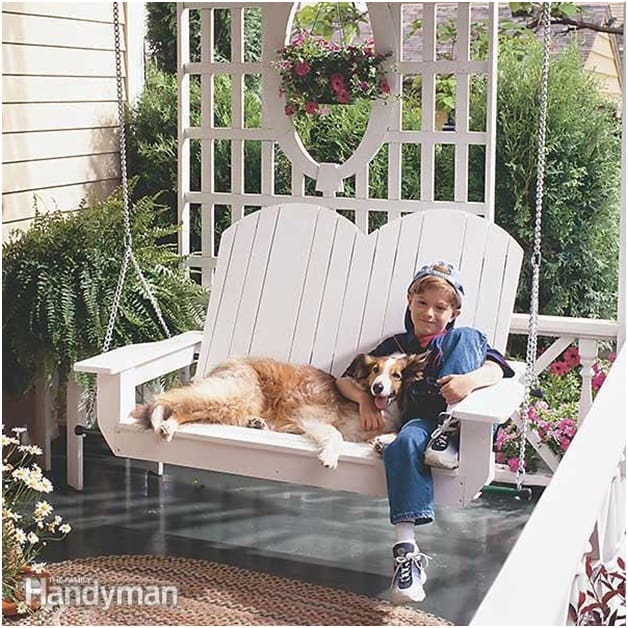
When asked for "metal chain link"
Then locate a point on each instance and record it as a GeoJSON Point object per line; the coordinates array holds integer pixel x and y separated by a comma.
{"type": "Point", "coordinates": [128, 239]}
{"type": "Point", "coordinates": [531, 378]}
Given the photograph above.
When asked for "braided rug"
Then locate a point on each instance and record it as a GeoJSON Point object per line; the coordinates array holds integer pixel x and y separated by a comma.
{"type": "Point", "coordinates": [212, 594]}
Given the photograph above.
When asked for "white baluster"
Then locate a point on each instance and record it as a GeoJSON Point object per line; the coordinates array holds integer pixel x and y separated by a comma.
{"type": "Point", "coordinates": [588, 355]}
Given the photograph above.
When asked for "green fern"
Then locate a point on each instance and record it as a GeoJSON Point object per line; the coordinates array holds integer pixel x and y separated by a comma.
{"type": "Point", "coordinates": [59, 278]}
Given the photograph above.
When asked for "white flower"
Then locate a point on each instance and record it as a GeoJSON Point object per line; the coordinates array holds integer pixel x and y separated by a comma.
{"type": "Point", "coordinates": [21, 474]}
{"type": "Point", "coordinates": [8, 440]}
{"type": "Point", "coordinates": [32, 538]}
{"type": "Point", "coordinates": [33, 450]}
{"type": "Point", "coordinates": [11, 515]}
{"type": "Point", "coordinates": [22, 608]}
{"type": "Point", "coordinates": [38, 567]}
{"type": "Point", "coordinates": [65, 528]}
{"type": "Point", "coordinates": [57, 520]}
{"type": "Point", "coordinates": [19, 430]}
{"type": "Point", "coordinates": [20, 537]}
{"type": "Point", "coordinates": [42, 510]}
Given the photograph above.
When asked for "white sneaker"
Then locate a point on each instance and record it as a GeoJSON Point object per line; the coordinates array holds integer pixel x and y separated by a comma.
{"type": "Point", "coordinates": [409, 576]}
{"type": "Point", "coordinates": [442, 450]}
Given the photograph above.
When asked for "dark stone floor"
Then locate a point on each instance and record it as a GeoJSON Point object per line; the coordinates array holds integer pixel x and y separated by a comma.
{"type": "Point", "coordinates": [335, 539]}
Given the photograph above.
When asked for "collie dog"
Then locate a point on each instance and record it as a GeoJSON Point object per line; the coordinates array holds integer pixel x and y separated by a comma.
{"type": "Point", "coordinates": [298, 399]}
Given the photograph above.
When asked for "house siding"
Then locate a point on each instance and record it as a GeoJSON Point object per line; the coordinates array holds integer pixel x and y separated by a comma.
{"type": "Point", "coordinates": [59, 133]}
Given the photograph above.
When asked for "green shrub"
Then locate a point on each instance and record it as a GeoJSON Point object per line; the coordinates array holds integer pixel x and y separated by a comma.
{"type": "Point", "coordinates": [58, 282]}
{"type": "Point", "coordinates": [581, 202]}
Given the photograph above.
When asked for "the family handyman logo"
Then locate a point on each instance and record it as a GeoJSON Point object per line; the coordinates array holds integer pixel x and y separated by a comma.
{"type": "Point", "coordinates": [89, 592]}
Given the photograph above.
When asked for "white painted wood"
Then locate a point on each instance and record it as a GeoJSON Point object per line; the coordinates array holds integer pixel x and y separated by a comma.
{"type": "Point", "coordinates": [588, 355]}
{"type": "Point", "coordinates": [21, 89]}
{"type": "Point", "coordinates": [301, 283]}
{"type": "Point", "coordinates": [44, 405]}
{"type": "Point", "coordinates": [563, 519]}
{"type": "Point", "coordinates": [183, 122]}
{"type": "Point", "coordinates": [58, 172]}
{"type": "Point", "coordinates": [74, 443]}
{"type": "Point", "coordinates": [567, 326]}
{"type": "Point", "coordinates": [89, 11]}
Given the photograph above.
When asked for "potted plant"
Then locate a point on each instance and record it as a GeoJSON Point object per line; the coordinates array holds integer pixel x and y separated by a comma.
{"type": "Point", "coordinates": [28, 521]}
{"type": "Point", "coordinates": [58, 282]}
{"type": "Point", "coordinates": [316, 72]}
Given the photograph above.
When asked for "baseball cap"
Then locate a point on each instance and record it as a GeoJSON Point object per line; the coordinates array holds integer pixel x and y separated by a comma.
{"type": "Point", "coordinates": [445, 271]}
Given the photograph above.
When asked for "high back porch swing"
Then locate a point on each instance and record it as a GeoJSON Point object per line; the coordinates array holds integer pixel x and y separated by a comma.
{"type": "Point", "coordinates": [297, 281]}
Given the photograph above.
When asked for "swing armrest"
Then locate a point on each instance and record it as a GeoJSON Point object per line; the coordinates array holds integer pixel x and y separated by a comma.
{"type": "Point", "coordinates": [494, 404]}
{"type": "Point", "coordinates": [171, 353]}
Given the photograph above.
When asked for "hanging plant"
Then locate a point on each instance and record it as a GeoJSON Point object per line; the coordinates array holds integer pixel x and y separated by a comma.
{"type": "Point", "coordinates": [316, 72]}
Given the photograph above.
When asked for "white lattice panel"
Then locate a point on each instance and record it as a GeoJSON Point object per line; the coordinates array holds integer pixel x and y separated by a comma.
{"type": "Point", "coordinates": [276, 133]}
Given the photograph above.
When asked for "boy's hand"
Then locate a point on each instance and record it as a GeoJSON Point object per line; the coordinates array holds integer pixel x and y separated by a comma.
{"type": "Point", "coordinates": [371, 419]}
{"type": "Point", "coordinates": [454, 388]}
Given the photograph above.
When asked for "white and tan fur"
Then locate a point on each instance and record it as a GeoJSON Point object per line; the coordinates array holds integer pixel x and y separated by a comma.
{"type": "Point", "coordinates": [298, 399]}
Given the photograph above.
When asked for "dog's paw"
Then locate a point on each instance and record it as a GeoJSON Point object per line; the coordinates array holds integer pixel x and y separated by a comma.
{"type": "Point", "coordinates": [167, 429]}
{"type": "Point", "coordinates": [257, 423]}
{"type": "Point", "coordinates": [379, 443]}
{"type": "Point", "coordinates": [329, 457]}
{"type": "Point", "coordinates": [157, 417]}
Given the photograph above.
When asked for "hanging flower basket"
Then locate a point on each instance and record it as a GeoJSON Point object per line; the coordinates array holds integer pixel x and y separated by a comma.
{"type": "Point", "coordinates": [316, 72]}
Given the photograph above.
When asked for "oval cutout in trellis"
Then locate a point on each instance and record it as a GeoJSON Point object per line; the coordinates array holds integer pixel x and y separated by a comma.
{"type": "Point", "coordinates": [329, 176]}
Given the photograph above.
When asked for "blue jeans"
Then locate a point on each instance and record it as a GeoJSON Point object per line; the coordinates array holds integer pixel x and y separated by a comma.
{"type": "Point", "coordinates": [409, 480]}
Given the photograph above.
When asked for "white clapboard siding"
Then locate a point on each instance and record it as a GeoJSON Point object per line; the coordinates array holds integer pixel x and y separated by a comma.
{"type": "Point", "coordinates": [25, 89]}
{"type": "Point", "coordinates": [58, 143]}
{"type": "Point", "coordinates": [59, 109]}
{"type": "Point", "coordinates": [87, 11]}
{"type": "Point", "coordinates": [67, 197]}
{"type": "Point", "coordinates": [51, 61]}
{"type": "Point", "coordinates": [57, 172]}
{"type": "Point", "coordinates": [51, 116]}
{"type": "Point", "coordinates": [38, 30]}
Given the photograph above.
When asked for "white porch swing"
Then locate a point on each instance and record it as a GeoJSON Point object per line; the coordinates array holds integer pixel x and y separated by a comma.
{"type": "Point", "coordinates": [298, 282]}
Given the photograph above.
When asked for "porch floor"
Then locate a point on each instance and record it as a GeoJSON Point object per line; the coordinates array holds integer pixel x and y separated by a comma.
{"type": "Point", "coordinates": [335, 539]}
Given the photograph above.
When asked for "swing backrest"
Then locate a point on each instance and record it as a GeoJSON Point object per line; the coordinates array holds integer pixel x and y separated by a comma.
{"type": "Point", "coordinates": [300, 283]}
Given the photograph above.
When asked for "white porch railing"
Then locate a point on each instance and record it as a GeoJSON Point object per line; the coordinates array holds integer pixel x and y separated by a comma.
{"type": "Point", "coordinates": [584, 502]}
{"type": "Point", "coordinates": [588, 334]}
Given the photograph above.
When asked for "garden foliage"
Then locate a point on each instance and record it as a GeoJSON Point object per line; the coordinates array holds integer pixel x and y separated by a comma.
{"type": "Point", "coordinates": [58, 282]}
{"type": "Point", "coordinates": [581, 205]}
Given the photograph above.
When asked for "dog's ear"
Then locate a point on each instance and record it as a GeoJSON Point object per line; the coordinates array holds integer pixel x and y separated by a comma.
{"type": "Point", "coordinates": [416, 364]}
{"type": "Point", "coordinates": [360, 366]}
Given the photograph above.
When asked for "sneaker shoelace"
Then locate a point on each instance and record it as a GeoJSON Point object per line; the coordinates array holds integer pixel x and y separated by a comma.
{"type": "Point", "coordinates": [403, 568]}
{"type": "Point", "coordinates": [442, 434]}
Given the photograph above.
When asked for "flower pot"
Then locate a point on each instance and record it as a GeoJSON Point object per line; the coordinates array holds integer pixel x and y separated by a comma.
{"type": "Point", "coordinates": [9, 609]}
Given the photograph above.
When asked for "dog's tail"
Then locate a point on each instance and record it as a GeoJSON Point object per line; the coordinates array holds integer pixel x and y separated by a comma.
{"type": "Point", "coordinates": [142, 414]}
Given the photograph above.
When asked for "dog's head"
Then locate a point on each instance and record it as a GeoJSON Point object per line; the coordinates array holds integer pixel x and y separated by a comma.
{"type": "Point", "coordinates": [385, 377]}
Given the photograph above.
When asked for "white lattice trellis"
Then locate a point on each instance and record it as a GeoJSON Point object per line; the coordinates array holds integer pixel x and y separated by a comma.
{"type": "Point", "coordinates": [385, 126]}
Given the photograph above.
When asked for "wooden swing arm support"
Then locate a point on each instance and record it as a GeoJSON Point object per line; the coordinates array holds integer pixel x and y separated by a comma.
{"type": "Point", "coordinates": [120, 371]}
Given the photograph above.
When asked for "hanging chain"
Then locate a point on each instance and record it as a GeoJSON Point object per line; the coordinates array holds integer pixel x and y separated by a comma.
{"type": "Point", "coordinates": [128, 239]}
{"type": "Point", "coordinates": [531, 378]}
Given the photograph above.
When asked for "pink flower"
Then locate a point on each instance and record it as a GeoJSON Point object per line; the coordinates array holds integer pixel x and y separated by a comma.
{"type": "Point", "coordinates": [612, 357]}
{"type": "Point", "coordinates": [572, 356]}
{"type": "Point", "coordinates": [564, 442]}
{"type": "Point", "coordinates": [342, 96]}
{"type": "Point", "coordinates": [298, 39]}
{"type": "Point", "coordinates": [311, 107]}
{"type": "Point", "coordinates": [289, 110]}
{"type": "Point", "coordinates": [303, 68]}
{"type": "Point", "coordinates": [384, 86]}
{"type": "Point", "coordinates": [597, 380]}
{"type": "Point", "coordinates": [500, 458]}
{"type": "Point", "coordinates": [324, 111]}
{"type": "Point", "coordinates": [337, 82]}
{"type": "Point", "coordinates": [558, 368]}
{"type": "Point", "coordinates": [513, 464]}
{"type": "Point", "coordinates": [363, 84]}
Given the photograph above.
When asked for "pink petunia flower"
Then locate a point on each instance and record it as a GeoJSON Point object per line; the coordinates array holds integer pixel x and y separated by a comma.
{"type": "Point", "coordinates": [597, 380]}
{"type": "Point", "coordinates": [342, 96]}
{"type": "Point", "coordinates": [311, 107]}
{"type": "Point", "coordinates": [303, 68]}
{"type": "Point", "coordinates": [558, 368]}
{"type": "Point", "coordinates": [289, 110]}
{"type": "Point", "coordinates": [513, 464]}
{"type": "Point", "coordinates": [564, 442]}
{"type": "Point", "coordinates": [337, 82]}
{"type": "Point", "coordinates": [572, 356]}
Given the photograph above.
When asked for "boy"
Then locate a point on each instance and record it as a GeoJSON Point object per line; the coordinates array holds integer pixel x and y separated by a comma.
{"type": "Point", "coordinates": [460, 362]}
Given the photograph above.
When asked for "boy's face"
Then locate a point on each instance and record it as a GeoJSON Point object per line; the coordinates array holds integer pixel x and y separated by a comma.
{"type": "Point", "coordinates": [431, 311]}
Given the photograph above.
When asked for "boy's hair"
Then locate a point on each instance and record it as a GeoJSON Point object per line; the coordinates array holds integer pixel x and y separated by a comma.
{"type": "Point", "coordinates": [439, 275]}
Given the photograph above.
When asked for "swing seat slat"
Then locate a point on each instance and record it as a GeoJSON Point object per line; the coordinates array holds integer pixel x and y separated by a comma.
{"type": "Point", "coordinates": [300, 283]}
